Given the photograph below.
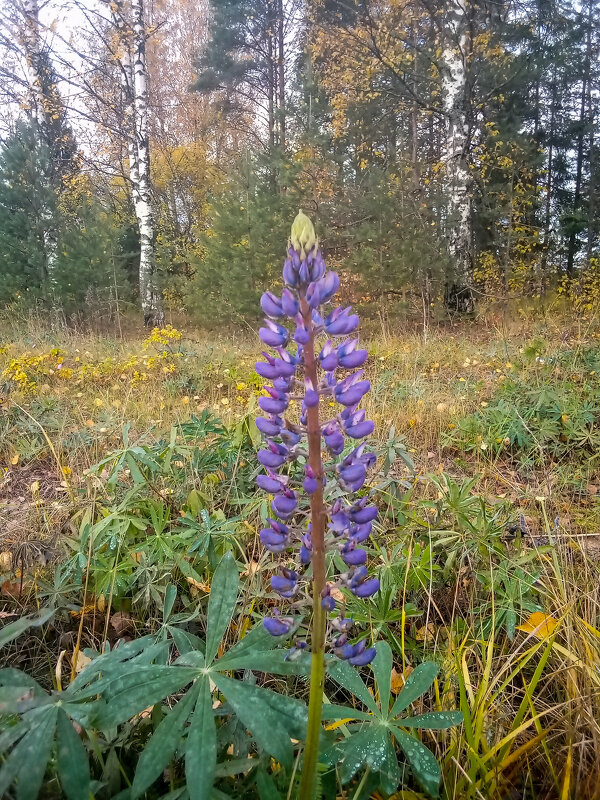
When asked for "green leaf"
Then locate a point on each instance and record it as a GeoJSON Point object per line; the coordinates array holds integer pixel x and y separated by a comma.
{"type": "Point", "coordinates": [185, 641]}
{"type": "Point", "coordinates": [160, 748]}
{"type": "Point", "coordinates": [418, 682]}
{"type": "Point", "coordinates": [257, 639]}
{"type": "Point", "coordinates": [367, 748]}
{"type": "Point", "coordinates": [389, 769]}
{"type": "Point", "coordinates": [266, 786]}
{"type": "Point", "coordinates": [331, 711]}
{"type": "Point", "coordinates": [19, 626]}
{"type": "Point", "coordinates": [72, 760]}
{"type": "Point", "coordinates": [129, 694]}
{"type": "Point", "coordinates": [201, 746]}
{"type": "Point", "coordinates": [433, 720]}
{"type": "Point", "coordinates": [273, 661]}
{"type": "Point", "coordinates": [35, 751]}
{"type": "Point", "coordinates": [272, 718]}
{"type": "Point", "coordinates": [422, 761]}
{"type": "Point", "coordinates": [382, 669]}
{"type": "Point", "coordinates": [345, 674]}
{"type": "Point", "coordinates": [223, 594]}
{"type": "Point", "coordinates": [12, 735]}
{"type": "Point", "coordinates": [169, 601]}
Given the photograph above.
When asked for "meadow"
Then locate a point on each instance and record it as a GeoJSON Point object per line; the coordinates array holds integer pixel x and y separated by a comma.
{"type": "Point", "coordinates": [127, 474]}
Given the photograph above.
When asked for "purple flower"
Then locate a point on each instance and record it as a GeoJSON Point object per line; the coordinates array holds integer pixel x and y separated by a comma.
{"type": "Point", "coordinates": [273, 334]}
{"type": "Point", "coordinates": [271, 305]}
{"type": "Point", "coordinates": [285, 504]}
{"type": "Point", "coordinates": [278, 626]}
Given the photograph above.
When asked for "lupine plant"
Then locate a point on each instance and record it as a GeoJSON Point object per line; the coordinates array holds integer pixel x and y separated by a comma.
{"type": "Point", "coordinates": [316, 362]}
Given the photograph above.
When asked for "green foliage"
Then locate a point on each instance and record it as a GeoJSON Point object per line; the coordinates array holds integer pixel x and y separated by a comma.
{"type": "Point", "coordinates": [370, 745]}
{"type": "Point", "coordinates": [532, 422]}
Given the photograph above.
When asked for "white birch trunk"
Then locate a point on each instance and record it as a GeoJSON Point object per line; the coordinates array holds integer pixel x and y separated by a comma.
{"type": "Point", "coordinates": [148, 290]}
{"type": "Point", "coordinates": [131, 31]}
{"type": "Point", "coordinates": [456, 156]}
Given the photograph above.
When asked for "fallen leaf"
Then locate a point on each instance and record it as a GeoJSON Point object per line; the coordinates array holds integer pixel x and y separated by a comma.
{"type": "Point", "coordinates": [82, 611]}
{"type": "Point", "coordinates": [398, 680]}
{"type": "Point", "coordinates": [425, 632]}
{"type": "Point", "coordinates": [540, 624]}
{"type": "Point", "coordinates": [11, 589]}
{"type": "Point", "coordinates": [251, 571]}
{"type": "Point", "coordinates": [101, 603]}
{"type": "Point", "coordinates": [6, 561]}
{"type": "Point", "coordinates": [15, 459]}
{"type": "Point", "coordinates": [81, 661]}
{"type": "Point", "coordinates": [121, 622]}
{"type": "Point", "coordinates": [203, 587]}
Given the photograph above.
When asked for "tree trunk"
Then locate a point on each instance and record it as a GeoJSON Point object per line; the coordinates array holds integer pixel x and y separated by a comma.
{"type": "Point", "coordinates": [458, 177]}
{"type": "Point", "coordinates": [577, 195]}
{"type": "Point", "coordinates": [149, 291]}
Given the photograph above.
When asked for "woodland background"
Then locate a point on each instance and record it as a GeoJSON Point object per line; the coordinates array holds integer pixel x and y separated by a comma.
{"type": "Point", "coordinates": [154, 153]}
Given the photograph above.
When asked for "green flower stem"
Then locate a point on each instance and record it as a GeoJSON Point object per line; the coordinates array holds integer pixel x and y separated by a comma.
{"type": "Point", "coordinates": [318, 520]}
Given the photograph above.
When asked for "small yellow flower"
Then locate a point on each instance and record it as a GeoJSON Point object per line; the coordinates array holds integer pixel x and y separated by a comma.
{"type": "Point", "coordinates": [185, 400]}
{"type": "Point", "coordinates": [98, 402]}
{"type": "Point", "coordinates": [225, 401]}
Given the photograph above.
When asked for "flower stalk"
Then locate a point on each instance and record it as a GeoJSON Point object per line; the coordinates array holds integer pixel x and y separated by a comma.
{"type": "Point", "coordinates": [318, 514]}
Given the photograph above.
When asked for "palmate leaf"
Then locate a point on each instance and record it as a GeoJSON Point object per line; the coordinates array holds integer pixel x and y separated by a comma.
{"type": "Point", "coordinates": [127, 694]}
{"type": "Point", "coordinates": [371, 746]}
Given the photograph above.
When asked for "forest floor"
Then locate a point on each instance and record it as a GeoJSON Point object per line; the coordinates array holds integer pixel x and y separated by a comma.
{"type": "Point", "coordinates": [488, 478]}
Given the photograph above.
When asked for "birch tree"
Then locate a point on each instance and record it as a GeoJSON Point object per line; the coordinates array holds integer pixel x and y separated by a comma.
{"type": "Point", "coordinates": [130, 53]}
{"type": "Point", "coordinates": [455, 99]}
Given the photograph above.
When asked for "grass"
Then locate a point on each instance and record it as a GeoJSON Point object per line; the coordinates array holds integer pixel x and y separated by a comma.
{"type": "Point", "coordinates": [502, 427]}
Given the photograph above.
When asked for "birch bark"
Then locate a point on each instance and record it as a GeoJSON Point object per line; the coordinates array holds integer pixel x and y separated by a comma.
{"type": "Point", "coordinates": [130, 25]}
{"type": "Point", "coordinates": [149, 292]}
{"type": "Point", "coordinates": [456, 157]}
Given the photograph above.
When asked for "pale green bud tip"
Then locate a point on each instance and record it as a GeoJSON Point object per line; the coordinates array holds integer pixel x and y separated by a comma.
{"type": "Point", "coordinates": [303, 237]}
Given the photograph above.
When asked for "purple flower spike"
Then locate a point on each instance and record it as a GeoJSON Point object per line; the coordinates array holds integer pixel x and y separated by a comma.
{"type": "Point", "coordinates": [302, 440]}
{"type": "Point", "coordinates": [310, 483]}
{"type": "Point", "coordinates": [363, 514]}
{"type": "Point", "coordinates": [352, 556]}
{"type": "Point", "coordinates": [361, 429]}
{"type": "Point", "coordinates": [273, 541]}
